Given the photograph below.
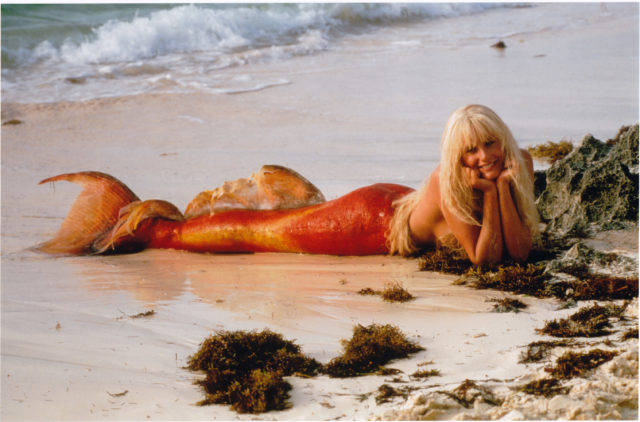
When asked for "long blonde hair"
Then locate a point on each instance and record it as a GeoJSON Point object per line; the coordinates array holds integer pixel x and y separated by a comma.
{"type": "Point", "coordinates": [468, 126]}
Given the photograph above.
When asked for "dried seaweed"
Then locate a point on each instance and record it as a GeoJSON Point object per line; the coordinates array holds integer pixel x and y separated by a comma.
{"type": "Point", "coordinates": [246, 369]}
{"type": "Point", "coordinates": [539, 350]}
{"type": "Point", "coordinates": [550, 152]}
{"type": "Point", "coordinates": [572, 364]}
{"type": "Point", "coordinates": [392, 292]}
{"type": "Point", "coordinates": [533, 278]}
{"type": "Point", "coordinates": [445, 259]}
{"type": "Point", "coordinates": [469, 392]}
{"type": "Point", "coordinates": [605, 287]}
{"type": "Point", "coordinates": [12, 122]}
{"type": "Point", "coordinates": [426, 373]}
{"type": "Point", "coordinates": [629, 334]}
{"type": "Point", "coordinates": [507, 304]}
{"type": "Point", "coordinates": [590, 321]}
{"type": "Point", "coordinates": [368, 291]}
{"type": "Point", "coordinates": [370, 348]}
{"type": "Point", "coordinates": [386, 393]}
{"type": "Point", "coordinates": [547, 387]}
{"type": "Point", "coordinates": [521, 279]}
{"type": "Point", "coordinates": [146, 314]}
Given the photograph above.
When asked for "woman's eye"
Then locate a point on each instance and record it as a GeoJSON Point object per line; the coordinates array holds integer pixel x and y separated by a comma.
{"type": "Point", "coordinates": [489, 142]}
{"type": "Point", "coordinates": [471, 150]}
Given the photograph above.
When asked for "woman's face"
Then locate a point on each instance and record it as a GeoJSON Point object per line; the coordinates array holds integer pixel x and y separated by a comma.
{"type": "Point", "coordinates": [486, 157]}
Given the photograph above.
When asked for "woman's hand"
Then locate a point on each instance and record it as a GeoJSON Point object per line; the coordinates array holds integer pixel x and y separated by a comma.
{"type": "Point", "coordinates": [477, 182]}
{"type": "Point", "coordinates": [505, 176]}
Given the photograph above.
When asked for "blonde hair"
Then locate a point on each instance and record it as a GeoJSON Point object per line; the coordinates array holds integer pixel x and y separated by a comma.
{"type": "Point", "coordinates": [467, 127]}
{"type": "Point", "coordinates": [399, 238]}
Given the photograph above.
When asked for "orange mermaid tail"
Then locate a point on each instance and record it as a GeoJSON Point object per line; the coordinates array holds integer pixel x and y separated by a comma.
{"type": "Point", "coordinates": [108, 218]}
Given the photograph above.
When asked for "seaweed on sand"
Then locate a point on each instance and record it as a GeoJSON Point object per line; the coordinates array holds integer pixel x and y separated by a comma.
{"type": "Point", "coordinates": [386, 393]}
{"type": "Point", "coordinates": [594, 286]}
{"type": "Point", "coordinates": [370, 348]}
{"type": "Point", "coordinates": [551, 152]}
{"type": "Point", "coordinates": [445, 259]}
{"type": "Point", "coordinates": [368, 291]}
{"type": "Point", "coordinates": [521, 279]}
{"type": "Point", "coordinates": [423, 373]}
{"type": "Point", "coordinates": [246, 369]}
{"type": "Point", "coordinates": [572, 364]}
{"type": "Point", "coordinates": [539, 350]}
{"type": "Point", "coordinates": [547, 387]}
{"type": "Point", "coordinates": [532, 278]}
{"type": "Point", "coordinates": [587, 322]}
{"type": "Point", "coordinates": [507, 304]}
{"type": "Point", "coordinates": [629, 334]}
{"type": "Point", "coordinates": [469, 392]}
{"type": "Point", "coordinates": [392, 292]}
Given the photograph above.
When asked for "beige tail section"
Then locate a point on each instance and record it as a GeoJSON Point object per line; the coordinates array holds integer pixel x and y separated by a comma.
{"type": "Point", "coordinates": [129, 220]}
{"type": "Point", "coordinates": [272, 187]}
{"type": "Point", "coordinates": [93, 214]}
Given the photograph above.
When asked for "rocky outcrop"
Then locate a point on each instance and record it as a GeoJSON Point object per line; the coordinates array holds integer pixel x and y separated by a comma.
{"type": "Point", "coordinates": [594, 187]}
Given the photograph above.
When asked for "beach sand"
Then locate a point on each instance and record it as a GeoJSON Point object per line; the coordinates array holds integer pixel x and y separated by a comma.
{"type": "Point", "coordinates": [370, 110]}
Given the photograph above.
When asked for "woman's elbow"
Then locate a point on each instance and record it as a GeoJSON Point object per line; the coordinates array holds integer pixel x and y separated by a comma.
{"type": "Point", "coordinates": [521, 252]}
{"type": "Point", "coordinates": [484, 260]}
{"type": "Point", "coordinates": [520, 256]}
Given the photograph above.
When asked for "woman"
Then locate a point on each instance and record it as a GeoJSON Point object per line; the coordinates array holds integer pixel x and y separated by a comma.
{"type": "Point", "coordinates": [481, 194]}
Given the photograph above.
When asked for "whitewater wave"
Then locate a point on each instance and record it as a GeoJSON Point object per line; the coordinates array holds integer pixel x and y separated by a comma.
{"type": "Point", "coordinates": [50, 53]}
{"type": "Point", "coordinates": [197, 28]}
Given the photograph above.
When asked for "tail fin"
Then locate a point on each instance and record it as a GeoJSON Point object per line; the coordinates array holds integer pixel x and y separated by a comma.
{"type": "Point", "coordinates": [129, 219]}
{"type": "Point", "coordinates": [92, 215]}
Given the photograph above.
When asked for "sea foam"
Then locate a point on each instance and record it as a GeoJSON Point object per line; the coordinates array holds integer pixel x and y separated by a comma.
{"type": "Point", "coordinates": [126, 50]}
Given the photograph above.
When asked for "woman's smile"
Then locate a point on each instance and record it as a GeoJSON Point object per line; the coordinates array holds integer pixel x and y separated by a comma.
{"type": "Point", "coordinates": [487, 158]}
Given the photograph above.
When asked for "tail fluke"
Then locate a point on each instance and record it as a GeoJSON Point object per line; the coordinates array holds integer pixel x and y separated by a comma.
{"type": "Point", "coordinates": [130, 218]}
{"type": "Point", "coordinates": [94, 213]}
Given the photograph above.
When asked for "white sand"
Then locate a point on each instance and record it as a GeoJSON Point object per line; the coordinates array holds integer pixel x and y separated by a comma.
{"type": "Point", "coordinates": [68, 346]}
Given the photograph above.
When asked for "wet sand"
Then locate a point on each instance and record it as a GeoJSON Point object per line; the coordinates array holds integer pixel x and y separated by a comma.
{"type": "Point", "coordinates": [364, 113]}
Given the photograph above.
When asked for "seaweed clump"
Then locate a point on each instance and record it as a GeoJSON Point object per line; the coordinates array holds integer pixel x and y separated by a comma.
{"type": "Point", "coordinates": [590, 321]}
{"type": "Point", "coordinates": [539, 277]}
{"type": "Point", "coordinates": [550, 152]}
{"type": "Point", "coordinates": [246, 369]}
{"type": "Point", "coordinates": [386, 393]}
{"type": "Point", "coordinates": [629, 334]}
{"type": "Point", "coordinates": [445, 259]}
{"type": "Point", "coordinates": [467, 393]}
{"type": "Point", "coordinates": [572, 364]}
{"type": "Point", "coordinates": [423, 373]}
{"type": "Point", "coordinates": [12, 122]}
{"type": "Point", "coordinates": [539, 350]}
{"type": "Point", "coordinates": [521, 279]}
{"type": "Point", "coordinates": [508, 305]}
{"type": "Point", "coordinates": [369, 349]}
{"type": "Point", "coordinates": [393, 292]}
{"type": "Point", "coordinates": [547, 387]}
{"type": "Point", "coordinates": [589, 286]}
{"type": "Point", "coordinates": [568, 365]}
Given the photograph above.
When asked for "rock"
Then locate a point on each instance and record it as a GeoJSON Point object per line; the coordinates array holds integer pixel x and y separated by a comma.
{"type": "Point", "coordinates": [583, 256]}
{"type": "Point", "coordinates": [595, 186]}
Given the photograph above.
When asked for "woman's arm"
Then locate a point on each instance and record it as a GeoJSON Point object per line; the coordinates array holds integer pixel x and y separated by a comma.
{"type": "Point", "coordinates": [517, 235]}
{"type": "Point", "coordinates": [483, 244]}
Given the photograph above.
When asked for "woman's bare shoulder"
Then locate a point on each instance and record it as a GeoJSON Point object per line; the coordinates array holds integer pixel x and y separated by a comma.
{"type": "Point", "coordinates": [528, 160]}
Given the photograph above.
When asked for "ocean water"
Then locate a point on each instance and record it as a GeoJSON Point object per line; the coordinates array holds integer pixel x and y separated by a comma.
{"type": "Point", "coordinates": [84, 51]}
